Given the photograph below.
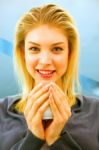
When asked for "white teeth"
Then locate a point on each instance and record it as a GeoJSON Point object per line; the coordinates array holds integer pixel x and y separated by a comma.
{"type": "Point", "coordinates": [45, 72]}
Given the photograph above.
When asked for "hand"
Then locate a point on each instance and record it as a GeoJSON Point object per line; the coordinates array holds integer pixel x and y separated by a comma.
{"type": "Point", "coordinates": [36, 105]}
{"type": "Point", "coordinates": [61, 113]}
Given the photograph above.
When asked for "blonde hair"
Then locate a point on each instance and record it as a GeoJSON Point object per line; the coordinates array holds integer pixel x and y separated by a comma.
{"type": "Point", "coordinates": [49, 14]}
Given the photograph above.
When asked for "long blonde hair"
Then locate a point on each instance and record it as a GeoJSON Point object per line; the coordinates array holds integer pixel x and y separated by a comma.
{"type": "Point", "coordinates": [52, 15]}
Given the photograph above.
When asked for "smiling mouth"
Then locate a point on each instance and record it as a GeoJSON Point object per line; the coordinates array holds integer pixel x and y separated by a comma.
{"type": "Point", "coordinates": [45, 74]}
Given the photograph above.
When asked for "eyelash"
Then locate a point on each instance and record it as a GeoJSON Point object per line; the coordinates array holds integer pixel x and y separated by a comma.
{"type": "Point", "coordinates": [58, 48]}
{"type": "Point", "coordinates": [31, 48]}
{"type": "Point", "coordinates": [38, 49]}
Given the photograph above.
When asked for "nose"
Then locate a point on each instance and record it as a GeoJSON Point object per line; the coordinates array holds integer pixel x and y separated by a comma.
{"type": "Point", "coordinates": [45, 58]}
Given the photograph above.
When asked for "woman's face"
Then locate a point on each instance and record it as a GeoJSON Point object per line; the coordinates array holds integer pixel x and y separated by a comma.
{"type": "Point", "coordinates": [46, 54]}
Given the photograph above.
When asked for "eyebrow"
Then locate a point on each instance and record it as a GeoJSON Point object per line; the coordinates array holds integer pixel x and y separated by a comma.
{"type": "Point", "coordinates": [52, 44]}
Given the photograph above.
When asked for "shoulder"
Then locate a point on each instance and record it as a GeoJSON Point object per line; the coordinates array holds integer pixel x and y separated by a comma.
{"type": "Point", "coordinates": [87, 100]}
{"type": "Point", "coordinates": [90, 104]}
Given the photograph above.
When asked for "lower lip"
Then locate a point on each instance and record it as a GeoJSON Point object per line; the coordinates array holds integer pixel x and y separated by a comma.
{"type": "Point", "coordinates": [46, 76]}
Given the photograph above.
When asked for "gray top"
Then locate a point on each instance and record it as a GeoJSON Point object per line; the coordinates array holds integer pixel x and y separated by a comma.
{"type": "Point", "coordinates": [81, 132]}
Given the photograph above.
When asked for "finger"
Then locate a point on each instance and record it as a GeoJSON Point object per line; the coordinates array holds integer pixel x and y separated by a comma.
{"type": "Point", "coordinates": [62, 96]}
{"type": "Point", "coordinates": [35, 96]}
{"type": "Point", "coordinates": [40, 93]}
{"type": "Point", "coordinates": [42, 109]}
{"type": "Point", "coordinates": [55, 86]}
{"type": "Point", "coordinates": [56, 99]}
{"type": "Point", "coordinates": [35, 89]}
{"type": "Point", "coordinates": [35, 107]}
{"type": "Point", "coordinates": [59, 91]}
{"type": "Point", "coordinates": [61, 104]}
{"type": "Point", "coordinates": [54, 108]}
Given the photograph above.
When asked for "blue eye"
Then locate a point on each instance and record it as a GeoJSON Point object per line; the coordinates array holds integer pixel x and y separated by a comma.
{"type": "Point", "coordinates": [34, 49]}
{"type": "Point", "coordinates": [57, 49]}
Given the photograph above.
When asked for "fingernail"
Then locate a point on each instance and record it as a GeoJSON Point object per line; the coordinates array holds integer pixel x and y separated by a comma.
{"type": "Point", "coordinates": [40, 84]}
{"type": "Point", "coordinates": [46, 86]}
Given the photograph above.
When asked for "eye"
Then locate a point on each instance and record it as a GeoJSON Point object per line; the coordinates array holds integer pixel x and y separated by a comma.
{"type": "Point", "coordinates": [35, 49]}
{"type": "Point", "coordinates": [57, 49]}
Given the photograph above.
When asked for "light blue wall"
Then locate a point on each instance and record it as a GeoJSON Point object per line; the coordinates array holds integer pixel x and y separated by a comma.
{"type": "Point", "coordinates": [8, 84]}
{"type": "Point", "coordinates": [86, 15]}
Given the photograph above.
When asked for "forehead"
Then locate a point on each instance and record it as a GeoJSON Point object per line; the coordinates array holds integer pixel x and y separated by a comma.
{"type": "Point", "coordinates": [46, 33]}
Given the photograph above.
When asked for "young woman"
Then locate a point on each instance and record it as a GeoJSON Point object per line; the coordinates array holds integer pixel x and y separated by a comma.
{"type": "Point", "coordinates": [48, 114]}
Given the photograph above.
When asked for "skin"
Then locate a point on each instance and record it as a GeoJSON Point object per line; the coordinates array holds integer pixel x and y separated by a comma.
{"type": "Point", "coordinates": [47, 91]}
{"type": "Point", "coordinates": [43, 52]}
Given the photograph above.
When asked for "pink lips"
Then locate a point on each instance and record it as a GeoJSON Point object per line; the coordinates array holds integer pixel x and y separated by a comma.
{"type": "Point", "coordinates": [46, 73]}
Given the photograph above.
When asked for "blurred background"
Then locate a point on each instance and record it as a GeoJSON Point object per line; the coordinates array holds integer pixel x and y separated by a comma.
{"type": "Point", "coordinates": [86, 16]}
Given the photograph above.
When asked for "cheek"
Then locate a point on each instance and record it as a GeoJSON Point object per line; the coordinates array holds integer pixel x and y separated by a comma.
{"type": "Point", "coordinates": [30, 63]}
{"type": "Point", "coordinates": [65, 62]}
{"type": "Point", "coordinates": [62, 62]}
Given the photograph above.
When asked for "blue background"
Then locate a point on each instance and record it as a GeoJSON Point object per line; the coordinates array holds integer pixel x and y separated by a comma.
{"type": "Point", "coordinates": [86, 16]}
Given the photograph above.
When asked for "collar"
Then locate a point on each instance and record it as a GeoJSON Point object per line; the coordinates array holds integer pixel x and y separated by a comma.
{"type": "Point", "coordinates": [79, 104]}
{"type": "Point", "coordinates": [13, 99]}
{"type": "Point", "coordinates": [76, 108]}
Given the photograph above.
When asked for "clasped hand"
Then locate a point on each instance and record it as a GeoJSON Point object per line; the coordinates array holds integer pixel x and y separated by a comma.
{"type": "Point", "coordinates": [38, 101]}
